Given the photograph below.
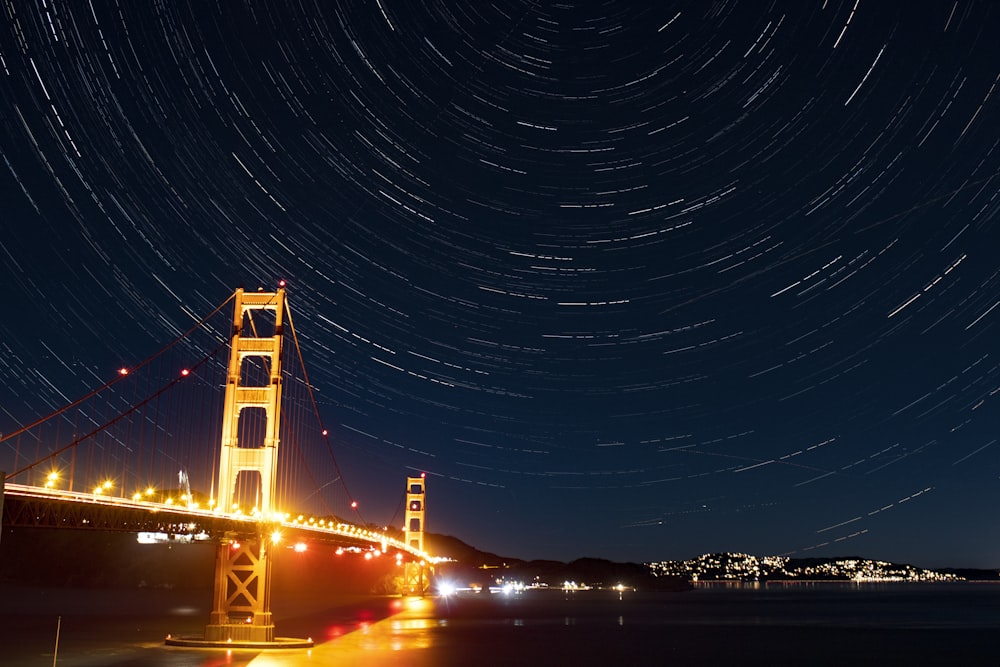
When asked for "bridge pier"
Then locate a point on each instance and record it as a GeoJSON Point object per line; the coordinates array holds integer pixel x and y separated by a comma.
{"type": "Point", "coordinates": [241, 608]}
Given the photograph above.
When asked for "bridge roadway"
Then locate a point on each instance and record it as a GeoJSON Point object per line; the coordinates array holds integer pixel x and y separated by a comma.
{"type": "Point", "coordinates": [39, 507]}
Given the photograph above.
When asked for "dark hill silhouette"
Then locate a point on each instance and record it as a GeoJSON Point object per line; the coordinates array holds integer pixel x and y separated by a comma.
{"type": "Point", "coordinates": [474, 567]}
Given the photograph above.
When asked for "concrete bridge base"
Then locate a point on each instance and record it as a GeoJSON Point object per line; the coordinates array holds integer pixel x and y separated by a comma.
{"type": "Point", "coordinates": [238, 642]}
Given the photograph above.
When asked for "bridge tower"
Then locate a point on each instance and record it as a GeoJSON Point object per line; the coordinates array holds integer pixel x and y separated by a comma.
{"type": "Point", "coordinates": [241, 609]}
{"type": "Point", "coordinates": [415, 580]}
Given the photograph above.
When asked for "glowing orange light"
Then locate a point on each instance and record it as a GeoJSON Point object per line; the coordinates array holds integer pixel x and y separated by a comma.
{"type": "Point", "coordinates": [354, 504]}
{"type": "Point", "coordinates": [281, 283]}
{"type": "Point", "coordinates": [185, 372]}
{"type": "Point", "coordinates": [122, 371]}
{"type": "Point", "coordinates": [325, 432]}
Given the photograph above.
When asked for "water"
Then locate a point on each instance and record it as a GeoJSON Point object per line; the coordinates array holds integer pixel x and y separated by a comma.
{"type": "Point", "coordinates": [799, 624]}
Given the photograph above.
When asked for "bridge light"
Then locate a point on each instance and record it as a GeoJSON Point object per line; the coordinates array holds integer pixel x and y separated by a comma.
{"type": "Point", "coordinates": [354, 504]}
{"type": "Point", "coordinates": [300, 547]}
{"type": "Point", "coordinates": [185, 373]}
{"type": "Point", "coordinates": [136, 496]}
{"type": "Point", "coordinates": [150, 491]}
{"type": "Point", "coordinates": [275, 537]}
{"type": "Point", "coordinates": [97, 490]}
{"type": "Point", "coordinates": [107, 485]}
{"type": "Point", "coordinates": [122, 371]}
{"type": "Point", "coordinates": [325, 433]}
{"type": "Point", "coordinates": [51, 479]}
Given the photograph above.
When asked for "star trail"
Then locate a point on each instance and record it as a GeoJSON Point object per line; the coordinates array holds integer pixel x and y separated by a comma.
{"type": "Point", "coordinates": [628, 280]}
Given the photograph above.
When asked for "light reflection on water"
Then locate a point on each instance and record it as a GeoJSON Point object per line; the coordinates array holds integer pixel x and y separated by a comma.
{"type": "Point", "coordinates": [398, 640]}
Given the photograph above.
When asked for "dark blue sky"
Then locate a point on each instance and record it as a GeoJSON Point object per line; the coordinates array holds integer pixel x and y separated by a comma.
{"type": "Point", "coordinates": [628, 280]}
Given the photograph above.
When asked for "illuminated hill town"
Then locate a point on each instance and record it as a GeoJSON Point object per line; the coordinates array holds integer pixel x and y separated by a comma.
{"type": "Point", "coordinates": [745, 567]}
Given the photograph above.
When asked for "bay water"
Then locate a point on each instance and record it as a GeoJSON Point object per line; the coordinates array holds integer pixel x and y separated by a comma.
{"type": "Point", "coordinates": [714, 624]}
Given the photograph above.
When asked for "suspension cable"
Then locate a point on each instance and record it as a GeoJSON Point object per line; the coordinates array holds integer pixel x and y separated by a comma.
{"type": "Point", "coordinates": [319, 418]}
{"type": "Point", "coordinates": [117, 418]}
{"type": "Point", "coordinates": [120, 376]}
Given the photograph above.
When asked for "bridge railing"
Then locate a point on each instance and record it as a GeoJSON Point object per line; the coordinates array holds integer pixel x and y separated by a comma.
{"type": "Point", "coordinates": [214, 521]}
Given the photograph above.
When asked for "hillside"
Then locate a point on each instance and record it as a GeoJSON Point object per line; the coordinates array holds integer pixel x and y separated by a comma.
{"type": "Point", "coordinates": [471, 566]}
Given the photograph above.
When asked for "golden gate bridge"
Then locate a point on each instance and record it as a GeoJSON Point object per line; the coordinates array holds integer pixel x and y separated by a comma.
{"type": "Point", "coordinates": [217, 436]}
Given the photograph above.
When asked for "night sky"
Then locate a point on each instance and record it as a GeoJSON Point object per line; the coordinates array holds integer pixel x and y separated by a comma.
{"type": "Point", "coordinates": [628, 280]}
